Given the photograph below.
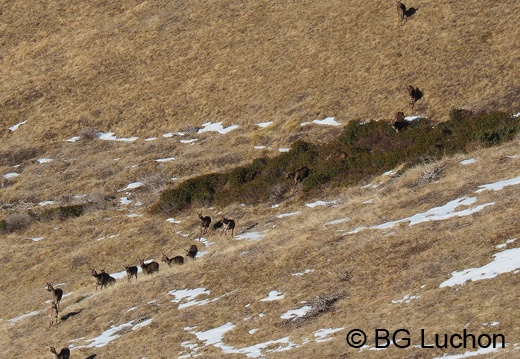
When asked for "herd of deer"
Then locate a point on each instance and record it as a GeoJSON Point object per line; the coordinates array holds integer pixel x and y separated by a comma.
{"type": "Point", "coordinates": [224, 224]}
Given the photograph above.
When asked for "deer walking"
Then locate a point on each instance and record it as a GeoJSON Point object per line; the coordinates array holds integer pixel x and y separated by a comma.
{"type": "Point", "coordinates": [63, 354]}
{"type": "Point", "coordinates": [298, 176]}
{"type": "Point", "coordinates": [175, 260]}
{"type": "Point", "coordinates": [52, 312]}
{"type": "Point", "coordinates": [192, 252]}
{"type": "Point", "coordinates": [415, 95]}
{"type": "Point", "coordinates": [204, 225]}
{"type": "Point", "coordinates": [131, 271]}
{"type": "Point", "coordinates": [229, 224]}
{"type": "Point", "coordinates": [56, 293]}
{"type": "Point", "coordinates": [102, 279]}
{"type": "Point", "coordinates": [149, 268]}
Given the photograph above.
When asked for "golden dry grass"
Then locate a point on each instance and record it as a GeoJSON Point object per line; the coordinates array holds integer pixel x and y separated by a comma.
{"type": "Point", "coordinates": [148, 68]}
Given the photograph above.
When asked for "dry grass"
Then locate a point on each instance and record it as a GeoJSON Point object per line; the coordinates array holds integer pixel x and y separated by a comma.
{"type": "Point", "coordinates": [149, 68]}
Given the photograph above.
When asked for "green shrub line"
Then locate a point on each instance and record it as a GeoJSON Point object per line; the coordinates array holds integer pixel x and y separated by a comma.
{"type": "Point", "coordinates": [371, 148]}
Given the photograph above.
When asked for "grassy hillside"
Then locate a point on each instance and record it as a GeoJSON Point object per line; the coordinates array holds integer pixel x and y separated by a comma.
{"type": "Point", "coordinates": [376, 254]}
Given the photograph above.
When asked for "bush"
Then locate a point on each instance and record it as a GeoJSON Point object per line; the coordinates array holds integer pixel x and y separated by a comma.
{"type": "Point", "coordinates": [63, 212]}
{"type": "Point", "coordinates": [371, 148]}
{"type": "Point", "coordinates": [15, 222]}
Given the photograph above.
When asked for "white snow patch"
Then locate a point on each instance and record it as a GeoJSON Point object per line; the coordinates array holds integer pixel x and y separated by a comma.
{"type": "Point", "coordinates": [36, 239]}
{"type": "Point", "coordinates": [272, 296]}
{"type": "Point", "coordinates": [11, 175]}
{"type": "Point", "coordinates": [173, 220]}
{"type": "Point", "coordinates": [290, 214]}
{"type": "Point", "coordinates": [44, 160]}
{"type": "Point", "coordinates": [323, 335]}
{"type": "Point", "coordinates": [321, 203]}
{"type": "Point", "coordinates": [337, 221]}
{"type": "Point", "coordinates": [216, 127]}
{"type": "Point", "coordinates": [406, 299]}
{"type": "Point", "coordinates": [296, 313]}
{"type": "Point", "coordinates": [111, 334]}
{"type": "Point", "coordinates": [73, 139]}
{"type": "Point", "coordinates": [109, 136]}
{"type": "Point", "coordinates": [15, 127]}
{"type": "Point", "coordinates": [307, 271]}
{"type": "Point", "coordinates": [46, 203]}
{"type": "Point", "coordinates": [189, 141]}
{"type": "Point", "coordinates": [132, 185]}
{"type": "Point", "coordinates": [506, 261]}
{"type": "Point", "coordinates": [189, 295]}
{"type": "Point", "coordinates": [284, 149]}
{"type": "Point", "coordinates": [264, 124]}
{"type": "Point", "coordinates": [468, 161]}
{"type": "Point", "coordinates": [497, 186]}
{"type": "Point", "coordinates": [252, 236]}
{"type": "Point", "coordinates": [509, 241]}
{"type": "Point", "coordinates": [329, 121]}
{"type": "Point", "coordinates": [162, 160]}
{"type": "Point", "coordinates": [23, 316]}
{"type": "Point", "coordinates": [125, 200]}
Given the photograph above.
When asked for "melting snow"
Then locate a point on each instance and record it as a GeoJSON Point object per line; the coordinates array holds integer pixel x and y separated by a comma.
{"type": "Point", "coordinates": [321, 203]}
{"type": "Point", "coordinates": [307, 271]}
{"type": "Point", "coordinates": [506, 261]}
{"type": "Point", "coordinates": [284, 149]}
{"type": "Point", "coordinates": [189, 295]}
{"type": "Point", "coordinates": [109, 136]}
{"type": "Point", "coordinates": [189, 141]}
{"type": "Point", "coordinates": [44, 160]}
{"type": "Point", "coordinates": [329, 121]}
{"type": "Point", "coordinates": [15, 127]}
{"type": "Point", "coordinates": [337, 221]}
{"type": "Point", "coordinates": [283, 215]}
{"type": "Point", "coordinates": [23, 316]}
{"type": "Point", "coordinates": [264, 124]}
{"type": "Point", "coordinates": [11, 175]}
{"type": "Point", "coordinates": [509, 241]}
{"type": "Point", "coordinates": [296, 313]}
{"type": "Point", "coordinates": [217, 127]}
{"type": "Point", "coordinates": [162, 160]}
{"type": "Point", "coordinates": [497, 186]}
{"type": "Point", "coordinates": [111, 334]}
{"type": "Point", "coordinates": [323, 335]}
{"type": "Point", "coordinates": [252, 236]}
{"type": "Point", "coordinates": [468, 161]}
{"type": "Point", "coordinates": [406, 299]}
{"type": "Point", "coordinates": [46, 203]}
{"type": "Point", "coordinates": [132, 185]}
{"type": "Point", "coordinates": [173, 220]}
{"type": "Point", "coordinates": [73, 139]}
{"type": "Point", "coordinates": [273, 295]}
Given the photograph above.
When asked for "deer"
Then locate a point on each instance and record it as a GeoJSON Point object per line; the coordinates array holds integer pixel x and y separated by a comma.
{"type": "Point", "coordinates": [52, 312]}
{"type": "Point", "coordinates": [102, 279]}
{"type": "Point", "coordinates": [131, 271]}
{"type": "Point", "coordinates": [177, 260]}
{"type": "Point", "coordinates": [403, 13]}
{"type": "Point", "coordinates": [217, 225]}
{"type": "Point", "coordinates": [204, 225]}
{"type": "Point", "coordinates": [192, 251]}
{"type": "Point", "coordinates": [400, 123]}
{"type": "Point", "coordinates": [63, 354]}
{"type": "Point", "coordinates": [228, 224]}
{"type": "Point", "coordinates": [56, 293]}
{"type": "Point", "coordinates": [298, 176]}
{"type": "Point", "coordinates": [415, 95]}
{"type": "Point", "coordinates": [149, 268]}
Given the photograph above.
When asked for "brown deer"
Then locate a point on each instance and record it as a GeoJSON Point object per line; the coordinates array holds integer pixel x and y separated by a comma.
{"type": "Point", "coordinates": [174, 260]}
{"type": "Point", "coordinates": [56, 293]}
{"type": "Point", "coordinates": [229, 224]}
{"type": "Point", "coordinates": [149, 268]}
{"type": "Point", "coordinates": [52, 312]}
{"type": "Point", "coordinates": [131, 271]}
{"type": "Point", "coordinates": [415, 95]}
{"type": "Point", "coordinates": [63, 354]}
{"type": "Point", "coordinates": [298, 176]}
{"type": "Point", "coordinates": [204, 225]}
{"type": "Point", "coordinates": [192, 252]}
{"type": "Point", "coordinates": [102, 279]}
{"type": "Point", "coordinates": [400, 123]}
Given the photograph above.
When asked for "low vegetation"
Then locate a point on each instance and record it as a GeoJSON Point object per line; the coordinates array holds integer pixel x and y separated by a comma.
{"type": "Point", "coordinates": [371, 148]}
